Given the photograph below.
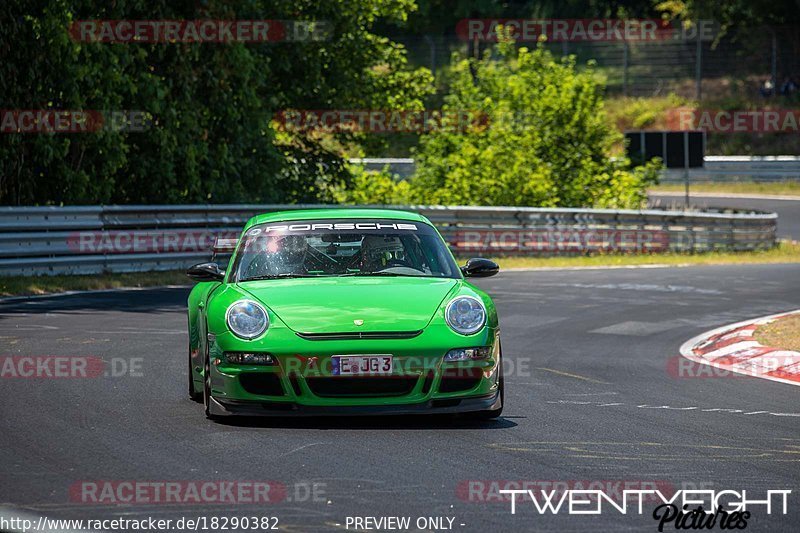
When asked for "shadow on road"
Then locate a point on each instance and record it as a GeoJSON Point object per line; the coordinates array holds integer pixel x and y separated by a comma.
{"type": "Point", "coordinates": [373, 423]}
{"type": "Point", "coordinates": [151, 300]}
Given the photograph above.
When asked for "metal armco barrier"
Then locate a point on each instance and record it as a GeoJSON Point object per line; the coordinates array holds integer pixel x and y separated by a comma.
{"type": "Point", "coordinates": [715, 168]}
{"type": "Point", "coordinates": [740, 168]}
{"type": "Point", "coordinates": [93, 239]}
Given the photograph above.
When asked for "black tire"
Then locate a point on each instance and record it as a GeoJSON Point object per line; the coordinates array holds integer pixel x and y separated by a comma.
{"type": "Point", "coordinates": [193, 394]}
{"type": "Point", "coordinates": [491, 414]}
{"type": "Point", "coordinates": [207, 385]}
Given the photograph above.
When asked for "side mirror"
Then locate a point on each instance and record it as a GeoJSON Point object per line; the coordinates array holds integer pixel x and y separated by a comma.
{"type": "Point", "coordinates": [206, 272]}
{"type": "Point", "coordinates": [478, 267]}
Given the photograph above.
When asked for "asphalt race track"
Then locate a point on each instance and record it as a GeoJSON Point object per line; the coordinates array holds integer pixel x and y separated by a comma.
{"type": "Point", "coordinates": [788, 210]}
{"type": "Point", "coordinates": [593, 395]}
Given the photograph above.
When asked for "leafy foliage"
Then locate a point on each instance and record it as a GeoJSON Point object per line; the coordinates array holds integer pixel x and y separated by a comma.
{"type": "Point", "coordinates": [735, 15]}
{"type": "Point", "coordinates": [546, 142]}
{"type": "Point", "coordinates": [212, 137]}
{"type": "Point", "coordinates": [211, 105]}
{"type": "Point", "coordinates": [381, 188]}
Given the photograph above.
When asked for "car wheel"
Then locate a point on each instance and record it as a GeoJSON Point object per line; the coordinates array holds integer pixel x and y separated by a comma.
{"type": "Point", "coordinates": [491, 414]}
{"type": "Point", "coordinates": [193, 394]}
{"type": "Point", "coordinates": [207, 385]}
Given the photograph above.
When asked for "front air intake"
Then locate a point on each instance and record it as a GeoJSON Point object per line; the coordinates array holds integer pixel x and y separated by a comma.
{"type": "Point", "coordinates": [372, 335]}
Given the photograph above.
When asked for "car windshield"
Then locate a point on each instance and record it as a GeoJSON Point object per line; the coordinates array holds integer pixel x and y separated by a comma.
{"type": "Point", "coordinates": [342, 247]}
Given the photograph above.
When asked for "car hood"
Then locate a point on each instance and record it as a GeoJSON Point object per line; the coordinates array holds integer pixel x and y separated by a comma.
{"type": "Point", "coordinates": [331, 305]}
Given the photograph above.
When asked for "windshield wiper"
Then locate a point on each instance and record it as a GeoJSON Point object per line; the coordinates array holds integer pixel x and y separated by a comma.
{"type": "Point", "coordinates": [376, 274]}
{"type": "Point", "coordinates": [280, 276]}
{"type": "Point", "coordinates": [290, 275]}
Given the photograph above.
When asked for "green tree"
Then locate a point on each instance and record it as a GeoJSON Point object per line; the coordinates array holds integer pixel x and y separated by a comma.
{"type": "Point", "coordinates": [212, 137]}
{"type": "Point", "coordinates": [546, 141]}
{"type": "Point", "coordinates": [746, 16]}
{"type": "Point", "coordinates": [372, 187]}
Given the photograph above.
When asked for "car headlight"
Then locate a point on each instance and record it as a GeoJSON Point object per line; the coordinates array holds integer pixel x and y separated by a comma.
{"type": "Point", "coordinates": [465, 315]}
{"type": "Point", "coordinates": [247, 319]}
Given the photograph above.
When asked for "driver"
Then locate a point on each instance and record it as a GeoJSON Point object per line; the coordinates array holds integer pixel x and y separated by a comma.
{"type": "Point", "coordinates": [380, 251]}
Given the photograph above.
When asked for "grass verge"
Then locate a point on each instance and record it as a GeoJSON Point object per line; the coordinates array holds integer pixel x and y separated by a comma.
{"type": "Point", "coordinates": [785, 252]}
{"type": "Point", "coordinates": [782, 188]}
{"type": "Point", "coordinates": [32, 285]}
{"type": "Point", "coordinates": [783, 333]}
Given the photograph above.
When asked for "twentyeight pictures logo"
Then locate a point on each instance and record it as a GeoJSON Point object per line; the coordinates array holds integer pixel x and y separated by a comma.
{"type": "Point", "coordinates": [683, 509]}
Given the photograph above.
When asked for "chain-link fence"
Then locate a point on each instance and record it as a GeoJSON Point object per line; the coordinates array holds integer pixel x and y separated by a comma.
{"type": "Point", "coordinates": [759, 63]}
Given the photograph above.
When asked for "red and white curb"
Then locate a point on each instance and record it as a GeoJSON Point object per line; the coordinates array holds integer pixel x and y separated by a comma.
{"type": "Point", "coordinates": [734, 349]}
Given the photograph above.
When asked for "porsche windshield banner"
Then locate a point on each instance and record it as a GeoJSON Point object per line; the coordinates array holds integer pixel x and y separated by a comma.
{"type": "Point", "coordinates": [317, 226]}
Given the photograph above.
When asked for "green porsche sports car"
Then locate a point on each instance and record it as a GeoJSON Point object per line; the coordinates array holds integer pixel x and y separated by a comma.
{"type": "Point", "coordinates": [343, 311]}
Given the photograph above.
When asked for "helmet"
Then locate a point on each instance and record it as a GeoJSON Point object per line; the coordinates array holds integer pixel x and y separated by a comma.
{"type": "Point", "coordinates": [378, 250]}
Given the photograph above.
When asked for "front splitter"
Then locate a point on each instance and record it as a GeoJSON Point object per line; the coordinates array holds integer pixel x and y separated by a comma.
{"type": "Point", "coordinates": [286, 409]}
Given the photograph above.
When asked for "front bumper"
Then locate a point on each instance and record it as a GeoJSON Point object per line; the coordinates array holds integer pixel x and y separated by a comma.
{"type": "Point", "coordinates": [257, 408]}
{"type": "Point", "coordinates": [296, 385]}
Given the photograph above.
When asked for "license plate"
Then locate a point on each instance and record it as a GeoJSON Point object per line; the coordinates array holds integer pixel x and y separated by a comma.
{"type": "Point", "coordinates": [361, 365]}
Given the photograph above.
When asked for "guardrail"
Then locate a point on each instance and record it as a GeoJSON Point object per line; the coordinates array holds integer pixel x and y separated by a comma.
{"type": "Point", "coordinates": [740, 168]}
{"type": "Point", "coordinates": [73, 240]}
{"type": "Point", "coordinates": [715, 168]}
